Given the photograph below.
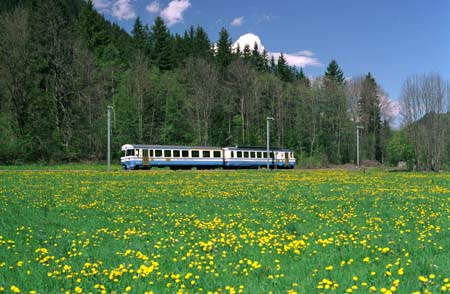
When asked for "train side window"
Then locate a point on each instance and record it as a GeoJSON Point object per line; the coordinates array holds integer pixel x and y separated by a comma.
{"type": "Point", "coordinates": [158, 153]}
{"type": "Point", "coordinates": [238, 154]}
{"type": "Point", "coordinates": [206, 153]}
{"type": "Point", "coordinates": [176, 153]}
{"type": "Point", "coordinates": [217, 154]}
{"type": "Point", "coordinates": [252, 154]}
{"type": "Point", "coordinates": [145, 153]}
{"type": "Point", "coordinates": [195, 153]}
{"type": "Point", "coordinates": [151, 152]}
{"type": "Point", "coordinates": [232, 154]}
{"type": "Point", "coordinates": [259, 154]}
{"type": "Point", "coordinates": [185, 153]}
{"type": "Point", "coordinates": [167, 153]}
{"type": "Point", "coordinates": [271, 155]}
{"type": "Point", "coordinates": [246, 154]}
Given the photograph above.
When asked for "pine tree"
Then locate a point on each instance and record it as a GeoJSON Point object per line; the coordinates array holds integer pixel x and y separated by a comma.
{"type": "Point", "coordinates": [284, 72]}
{"type": "Point", "coordinates": [300, 75]}
{"type": "Point", "coordinates": [334, 120]}
{"type": "Point", "coordinates": [334, 73]}
{"type": "Point", "coordinates": [202, 44]}
{"type": "Point", "coordinates": [92, 29]}
{"type": "Point", "coordinates": [140, 35]}
{"type": "Point", "coordinates": [257, 59]}
{"type": "Point", "coordinates": [161, 45]}
{"type": "Point", "coordinates": [224, 55]}
{"type": "Point", "coordinates": [246, 54]}
{"type": "Point", "coordinates": [370, 117]}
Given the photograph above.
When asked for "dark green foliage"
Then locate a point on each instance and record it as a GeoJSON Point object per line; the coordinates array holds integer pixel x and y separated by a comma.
{"type": "Point", "coordinates": [162, 49]}
{"type": "Point", "coordinates": [370, 118]}
{"type": "Point", "coordinates": [141, 36]}
{"type": "Point", "coordinates": [334, 73]}
{"type": "Point", "coordinates": [334, 121]}
{"type": "Point", "coordinates": [400, 149]}
{"type": "Point", "coordinates": [223, 54]}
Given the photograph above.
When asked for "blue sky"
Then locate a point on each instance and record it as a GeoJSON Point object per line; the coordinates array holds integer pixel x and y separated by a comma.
{"type": "Point", "coordinates": [392, 39]}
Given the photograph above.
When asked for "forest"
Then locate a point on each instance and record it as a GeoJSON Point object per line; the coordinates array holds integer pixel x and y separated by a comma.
{"type": "Point", "coordinates": [62, 64]}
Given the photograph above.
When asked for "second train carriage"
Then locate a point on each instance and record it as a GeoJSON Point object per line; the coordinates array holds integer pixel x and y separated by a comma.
{"type": "Point", "coordinates": [256, 157]}
{"type": "Point", "coordinates": [180, 157]}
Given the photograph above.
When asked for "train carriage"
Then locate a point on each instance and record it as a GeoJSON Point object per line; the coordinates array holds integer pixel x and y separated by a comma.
{"type": "Point", "coordinates": [256, 157]}
{"type": "Point", "coordinates": [176, 157]}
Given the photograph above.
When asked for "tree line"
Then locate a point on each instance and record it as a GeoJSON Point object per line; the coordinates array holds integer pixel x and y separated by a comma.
{"type": "Point", "coordinates": [62, 64]}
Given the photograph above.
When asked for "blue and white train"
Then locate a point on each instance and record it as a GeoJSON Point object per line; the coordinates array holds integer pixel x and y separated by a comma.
{"type": "Point", "coordinates": [183, 157]}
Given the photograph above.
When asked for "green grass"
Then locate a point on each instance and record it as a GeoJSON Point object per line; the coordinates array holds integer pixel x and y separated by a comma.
{"type": "Point", "coordinates": [61, 167]}
{"type": "Point", "coordinates": [224, 232]}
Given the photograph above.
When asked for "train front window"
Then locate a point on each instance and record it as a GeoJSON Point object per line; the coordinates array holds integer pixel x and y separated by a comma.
{"type": "Point", "coordinates": [129, 152]}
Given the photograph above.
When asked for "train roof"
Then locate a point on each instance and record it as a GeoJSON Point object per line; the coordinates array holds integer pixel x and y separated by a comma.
{"type": "Point", "coordinates": [173, 147]}
{"type": "Point", "coordinates": [257, 148]}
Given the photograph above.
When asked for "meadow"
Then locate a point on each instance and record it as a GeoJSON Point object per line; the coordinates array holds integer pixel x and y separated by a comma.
{"type": "Point", "coordinates": [254, 231]}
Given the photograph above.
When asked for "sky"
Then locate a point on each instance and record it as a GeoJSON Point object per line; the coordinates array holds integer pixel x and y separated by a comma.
{"type": "Point", "coordinates": [391, 39]}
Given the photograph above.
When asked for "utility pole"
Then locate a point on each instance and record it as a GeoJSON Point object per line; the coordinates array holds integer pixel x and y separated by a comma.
{"type": "Point", "coordinates": [109, 108]}
{"type": "Point", "coordinates": [269, 118]}
{"type": "Point", "coordinates": [357, 144]}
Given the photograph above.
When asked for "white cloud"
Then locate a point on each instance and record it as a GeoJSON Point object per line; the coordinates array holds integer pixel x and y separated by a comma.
{"type": "Point", "coordinates": [101, 5]}
{"type": "Point", "coordinates": [153, 7]}
{"type": "Point", "coordinates": [122, 9]}
{"type": "Point", "coordinates": [173, 13]}
{"type": "Point", "coordinates": [237, 21]}
{"type": "Point", "coordinates": [250, 40]}
{"type": "Point", "coordinates": [299, 59]}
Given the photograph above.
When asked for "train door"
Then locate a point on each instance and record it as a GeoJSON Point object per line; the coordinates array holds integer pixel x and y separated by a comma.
{"type": "Point", "coordinates": [145, 157]}
{"type": "Point", "coordinates": [286, 159]}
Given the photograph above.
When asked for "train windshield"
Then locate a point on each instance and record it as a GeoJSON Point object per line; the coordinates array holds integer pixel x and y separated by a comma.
{"type": "Point", "coordinates": [129, 152]}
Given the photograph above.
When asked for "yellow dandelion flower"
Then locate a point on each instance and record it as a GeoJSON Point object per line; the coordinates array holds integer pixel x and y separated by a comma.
{"type": "Point", "coordinates": [15, 289]}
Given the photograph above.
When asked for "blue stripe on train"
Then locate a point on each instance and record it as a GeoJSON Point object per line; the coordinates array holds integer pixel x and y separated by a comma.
{"type": "Point", "coordinates": [132, 164]}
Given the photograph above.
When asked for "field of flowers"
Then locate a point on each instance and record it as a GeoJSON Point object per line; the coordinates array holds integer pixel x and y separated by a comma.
{"type": "Point", "coordinates": [224, 232]}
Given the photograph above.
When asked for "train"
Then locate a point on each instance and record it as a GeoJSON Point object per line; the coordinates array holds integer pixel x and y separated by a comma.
{"type": "Point", "coordinates": [137, 156]}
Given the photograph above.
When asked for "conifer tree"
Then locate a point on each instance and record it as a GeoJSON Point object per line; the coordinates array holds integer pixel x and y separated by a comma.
{"type": "Point", "coordinates": [334, 73]}
{"type": "Point", "coordinates": [92, 30]}
{"type": "Point", "coordinates": [224, 55]}
{"type": "Point", "coordinates": [370, 117]}
{"type": "Point", "coordinates": [140, 34]}
{"type": "Point", "coordinates": [202, 44]}
{"type": "Point", "coordinates": [161, 45]}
